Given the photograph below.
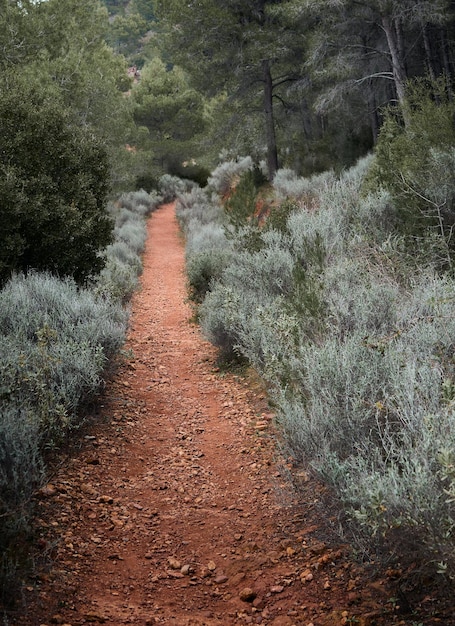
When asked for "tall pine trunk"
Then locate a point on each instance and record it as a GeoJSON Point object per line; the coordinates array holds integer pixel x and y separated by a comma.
{"type": "Point", "coordinates": [272, 153]}
{"type": "Point", "coordinates": [391, 30]}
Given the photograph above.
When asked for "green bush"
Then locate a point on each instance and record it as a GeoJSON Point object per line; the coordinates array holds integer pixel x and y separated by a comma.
{"type": "Point", "coordinates": [53, 184]}
{"type": "Point", "coordinates": [416, 165]}
{"type": "Point", "coordinates": [241, 205]}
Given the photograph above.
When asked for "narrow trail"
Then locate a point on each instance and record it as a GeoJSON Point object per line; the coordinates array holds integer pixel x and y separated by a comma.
{"type": "Point", "coordinates": [177, 509]}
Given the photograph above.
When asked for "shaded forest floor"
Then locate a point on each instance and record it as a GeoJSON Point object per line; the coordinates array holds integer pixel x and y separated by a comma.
{"type": "Point", "coordinates": [179, 508]}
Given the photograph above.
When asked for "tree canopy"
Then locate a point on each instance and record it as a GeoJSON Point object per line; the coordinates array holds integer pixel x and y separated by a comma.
{"type": "Point", "coordinates": [62, 118]}
{"type": "Point", "coordinates": [171, 110]}
{"type": "Point", "coordinates": [53, 182]}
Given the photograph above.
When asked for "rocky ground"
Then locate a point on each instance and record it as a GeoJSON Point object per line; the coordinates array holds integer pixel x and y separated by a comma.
{"type": "Point", "coordinates": [178, 506]}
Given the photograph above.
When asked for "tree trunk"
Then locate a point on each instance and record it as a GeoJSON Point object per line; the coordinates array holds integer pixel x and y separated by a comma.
{"type": "Point", "coordinates": [429, 52]}
{"type": "Point", "coordinates": [272, 153]}
{"type": "Point", "coordinates": [373, 114]}
{"type": "Point", "coordinates": [446, 61]}
{"type": "Point", "coordinates": [398, 64]}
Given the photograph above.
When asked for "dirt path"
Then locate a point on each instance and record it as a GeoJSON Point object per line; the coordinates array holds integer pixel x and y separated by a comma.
{"type": "Point", "coordinates": [178, 510]}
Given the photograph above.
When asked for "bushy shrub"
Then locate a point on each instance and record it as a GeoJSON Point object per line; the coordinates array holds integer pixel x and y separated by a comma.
{"type": "Point", "coordinates": [219, 314]}
{"type": "Point", "coordinates": [54, 179]}
{"type": "Point", "coordinates": [170, 187]}
{"type": "Point", "coordinates": [196, 208]}
{"type": "Point", "coordinates": [123, 263]}
{"type": "Point", "coordinates": [202, 269]}
{"type": "Point", "coordinates": [60, 322]}
{"type": "Point", "coordinates": [224, 176]}
{"type": "Point", "coordinates": [140, 202]}
{"type": "Point", "coordinates": [366, 405]}
{"type": "Point", "coordinates": [287, 185]}
{"type": "Point", "coordinates": [240, 207]}
{"type": "Point", "coordinates": [374, 416]}
{"type": "Point", "coordinates": [132, 234]}
{"type": "Point", "coordinates": [208, 250]}
{"type": "Point", "coordinates": [56, 340]}
{"type": "Point", "coordinates": [415, 164]}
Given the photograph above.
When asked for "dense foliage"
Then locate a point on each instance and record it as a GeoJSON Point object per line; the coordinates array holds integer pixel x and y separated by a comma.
{"type": "Point", "coordinates": [63, 120]}
{"type": "Point", "coordinates": [53, 187]}
{"type": "Point", "coordinates": [306, 81]}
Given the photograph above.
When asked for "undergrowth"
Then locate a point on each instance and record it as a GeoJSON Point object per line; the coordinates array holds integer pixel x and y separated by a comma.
{"type": "Point", "coordinates": [355, 338]}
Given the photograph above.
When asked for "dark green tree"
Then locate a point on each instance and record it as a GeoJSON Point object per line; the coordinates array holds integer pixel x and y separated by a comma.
{"type": "Point", "coordinates": [125, 33]}
{"type": "Point", "coordinates": [173, 113]}
{"type": "Point", "coordinates": [369, 49]}
{"type": "Point", "coordinates": [145, 8]}
{"type": "Point", "coordinates": [54, 177]}
{"type": "Point", "coordinates": [416, 164]}
{"type": "Point", "coordinates": [239, 48]}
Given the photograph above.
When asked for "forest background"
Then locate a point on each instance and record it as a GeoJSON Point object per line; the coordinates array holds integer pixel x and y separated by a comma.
{"type": "Point", "coordinates": [328, 270]}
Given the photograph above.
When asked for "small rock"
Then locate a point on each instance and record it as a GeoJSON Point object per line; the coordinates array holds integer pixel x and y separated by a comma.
{"type": "Point", "coordinates": [277, 589]}
{"type": "Point", "coordinates": [306, 576]}
{"type": "Point", "coordinates": [247, 594]}
{"type": "Point", "coordinates": [237, 578]}
{"type": "Point", "coordinates": [327, 585]}
{"type": "Point", "coordinates": [222, 578]}
{"type": "Point", "coordinates": [211, 566]}
{"type": "Point", "coordinates": [47, 491]}
{"type": "Point", "coordinates": [174, 563]}
{"type": "Point", "coordinates": [259, 603]}
{"type": "Point", "coordinates": [283, 620]}
{"type": "Point", "coordinates": [185, 569]}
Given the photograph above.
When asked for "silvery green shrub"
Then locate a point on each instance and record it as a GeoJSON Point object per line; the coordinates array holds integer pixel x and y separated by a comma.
{"type": "Point", "coordinates": [202, 269]}
{"type": "Point", "coordinates": [370, 406]}
{"type": "Point", "coordinates": [119, 278]}
{"type": "Point", "coordinates": [224, 176]}
{"type": "Point", "coordinates": [208, 250]}
{"type": "Point", "coordinates": [170, 187]}
{"type": "Point", "coordinates": [133, 234]}
{"type": "Point", "coordinates": [287, 184]}
{"type": "Point", "coordinates": [355, 338]}
{"type": "Point", "coordinates": [197, 207]}
{"type": "Point", "coordinates": [219, 314]}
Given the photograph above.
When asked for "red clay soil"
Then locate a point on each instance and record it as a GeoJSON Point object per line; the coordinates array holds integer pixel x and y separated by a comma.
{"type": "Point", "coordinates": [178, 508]}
